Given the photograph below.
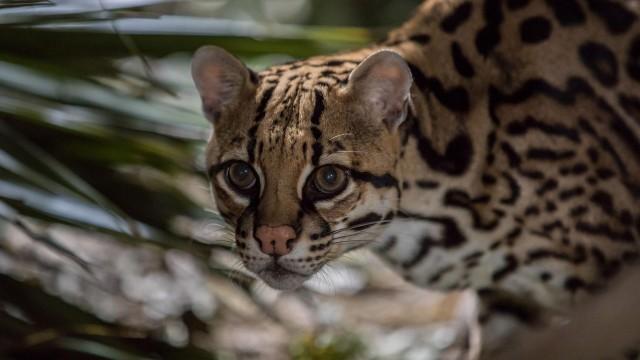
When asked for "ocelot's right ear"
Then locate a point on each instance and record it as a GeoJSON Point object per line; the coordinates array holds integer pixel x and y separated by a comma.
{"type": "Point", "coordinates": [222, 80]}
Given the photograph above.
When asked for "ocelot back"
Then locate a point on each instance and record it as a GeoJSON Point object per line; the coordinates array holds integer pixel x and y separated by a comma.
{"type": "Point", "coordinates": [492, 145]}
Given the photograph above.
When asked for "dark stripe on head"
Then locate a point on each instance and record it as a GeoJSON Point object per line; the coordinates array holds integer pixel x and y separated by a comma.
{"type": "Point", "coordinates": [262, 106]}
{"type": "Point", "coordinates": [316, 132]}
{"type": "Point", "coordinates": [318, 108]}
{"type": "Point", "coordinates": [251, 144]}
{"type": "Point", "coordinates": [317, 151]}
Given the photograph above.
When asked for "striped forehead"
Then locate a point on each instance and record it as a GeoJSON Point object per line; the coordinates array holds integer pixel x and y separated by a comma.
{"type": "Point", "coordinates": [291, 99]}
{"type": "Point", "coordinates": [291, 124]}
{"type": "Point", "coordinates": [319, 71]}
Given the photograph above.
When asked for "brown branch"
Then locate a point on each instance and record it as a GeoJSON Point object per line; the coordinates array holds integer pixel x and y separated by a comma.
{"type": "Point", "coordinates": [603, 327]}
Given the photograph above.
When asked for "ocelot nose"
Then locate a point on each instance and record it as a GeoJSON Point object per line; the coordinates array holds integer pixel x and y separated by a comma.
{"type": "Point", "coordinates": [275, 240]}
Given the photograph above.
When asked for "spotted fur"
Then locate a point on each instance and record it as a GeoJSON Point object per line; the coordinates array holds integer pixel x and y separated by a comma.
{"type": "Point", "coordinates": [512, 167]}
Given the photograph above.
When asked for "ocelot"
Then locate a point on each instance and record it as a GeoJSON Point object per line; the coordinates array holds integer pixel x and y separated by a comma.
{"type": "Point", "coordinates": [491, 145]}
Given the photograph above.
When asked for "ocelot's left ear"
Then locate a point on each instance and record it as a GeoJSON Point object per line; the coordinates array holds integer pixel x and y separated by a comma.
{"type": "Point", "coordinates": [383, 82]}
{"type": "Point", "coordinates": [222, 80]}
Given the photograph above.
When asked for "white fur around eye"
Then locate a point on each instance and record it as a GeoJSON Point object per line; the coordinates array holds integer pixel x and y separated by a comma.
{"type": "Point", "coordinates": [238, 154]}
{"type": "Point", "coordinates": [329, 203]}
{"type": "Point", "coordinates": [237, 198]}
{"type": "Point", "coordinates": [302, 180]}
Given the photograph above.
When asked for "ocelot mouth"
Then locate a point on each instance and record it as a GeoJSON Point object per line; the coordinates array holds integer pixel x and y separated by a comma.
{"type": "Point", "coordinates": [280, 278]}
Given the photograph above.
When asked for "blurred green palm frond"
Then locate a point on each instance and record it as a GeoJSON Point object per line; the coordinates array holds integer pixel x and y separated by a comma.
{"type": "Point", "coordinates": [90, 142]}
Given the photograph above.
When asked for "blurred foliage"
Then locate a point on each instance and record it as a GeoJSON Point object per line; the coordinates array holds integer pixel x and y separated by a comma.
{"type": "Point", "coordinates": [343, 346]}
{"type": "Point", "coordinates": [37, 325]}
{"type": "Point", "coordinates": [88, 143]}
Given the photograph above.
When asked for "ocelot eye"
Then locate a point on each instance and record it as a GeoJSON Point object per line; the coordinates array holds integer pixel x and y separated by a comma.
{"type": "Point", "coordinates": [329, 180]}
{"type": "Point", "coordinates": [241, 176]}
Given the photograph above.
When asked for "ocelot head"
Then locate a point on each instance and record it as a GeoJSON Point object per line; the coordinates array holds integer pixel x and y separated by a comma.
{"type": "Point", "coordinates": [302, 159]}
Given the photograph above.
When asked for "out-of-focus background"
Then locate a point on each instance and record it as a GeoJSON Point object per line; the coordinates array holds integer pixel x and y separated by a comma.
{"type": "Point", "coordinates": [110, 245]}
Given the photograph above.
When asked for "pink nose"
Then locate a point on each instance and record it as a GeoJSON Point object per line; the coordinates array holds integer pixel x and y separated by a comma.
{"type": "Point", "coordinates": [276, 240]}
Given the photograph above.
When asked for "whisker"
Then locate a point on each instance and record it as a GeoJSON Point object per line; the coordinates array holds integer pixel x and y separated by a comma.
{"type": "Point", "coordinates": [354, 241]}
{"type": "Point", "coordinates": [341, 135]}
{"type": "Point", "coordinates": [352, 235]}
{"type": "Point", "coordinates": [355, 227]}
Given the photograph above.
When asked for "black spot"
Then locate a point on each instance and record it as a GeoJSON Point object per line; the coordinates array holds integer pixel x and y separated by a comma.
{"type": "Point", "coordinates": [605, 144]}
{"type": "Point", "coordinates": [604, 230]}
{"type": "Point", "coordinates": [427, 184]}
{"type": "Point", "coordinates": [506, 305]}
{"type": "Point", "coordinates": [631, 354]}
{"type": "Point", "coordinates": [605, 173]}
{"type": "Point", "coordinates": [531, 174]}
{"type": "Point", "coordinates": [570, 193]}
{"type": "Point", "coordinates": [388, 244]}
{"type": "Point", "coordinates": [452, 236]}
{"type": "Point", "coordinates": [556, 129]}
{"type": "Point", "coordinates": [456, 158]}
{"type": "Point", "coordinates": [626, 218]}
{"type": "Point", "coordinates": [488, 179]}
{"type": "Point", "coordinates": [622, 130]}
{"type": "Point", "coordinates": [455, 99]}
{"type": "Point", "coordinates": [604, 201]}
{"type": "Point", "coordinates": [545, 154]}
{"type": "Point", "coordinates": [535, 29]}
{"type": "Point", "coordinates": [631, 106]}
{"type": "Point", "coordinates": [575, 86]}
{"type": "Point", "coordinates": [512, 155]}
{"type": "Point", "coordinates": [511, 264]}
{"type": "Point", "coordinates": [567, 12]}
{"type": "Point", "coordinates": [593, 154]}
{"type": "Point", "coordinates": [460, 199]}
{"type": "Point", "coordinates": [545, 276]}
{"type": "Point", "coordinates": [473, 256]}
{"type": "Point", "coordinates": [531, 210]}
{"type": "Point", "coordinates": [600, 61]}
{"type": "Point", "coordinates": [574, 284]}
{"type": "Point", "coordinates": [462, 64]}
{"type": "Point", "coordinates": [378, 181]}
{"type": "Point", "coordinates": [425, 246]}
{"type": "Point", "coordinates": [420, 38]}
{"type": "Point", "coordinates": [617, 18]}
{"type": "Point", "coordinates": [439, 274]}
{"type": "Point", "coordinates": [517, 4]}
{"type": "Point", "coordinates": [458, 17]}
{"type": "Point", "coordinates": [548, 185]}
{"type": "Point", "coordinates": [633, 59]}
{"type": "Point", "coordinates": [579, 169]}
{"type": "Point", "coordinates": [334, 63]}
{"type": "Point", "coordinates": [550, 206]}
{"type": "Point", "coordinates": [513, 187]}
{"type": "Point", "coordinates": [489, 36]}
